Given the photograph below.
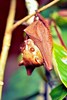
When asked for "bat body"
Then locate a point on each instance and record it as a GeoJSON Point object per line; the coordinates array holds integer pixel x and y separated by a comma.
{"type": "Point", "coordinates": [41, 36]}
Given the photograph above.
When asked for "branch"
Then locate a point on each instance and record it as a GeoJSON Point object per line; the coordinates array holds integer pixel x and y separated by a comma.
{"type": "Point", "coordinates": [58, 34]}
{"type": "Point", "coordinates": [29, 16]}
{"type": "Point", "coordinates": [60, 37]}
{"type": "Point", "coordinates": [6, 42]}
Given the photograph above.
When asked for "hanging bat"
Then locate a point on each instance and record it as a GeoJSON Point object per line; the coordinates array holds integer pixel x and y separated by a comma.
{"type": "Point", "coordinates": [39, 32]}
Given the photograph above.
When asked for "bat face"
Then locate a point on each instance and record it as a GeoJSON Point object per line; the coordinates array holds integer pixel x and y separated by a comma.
{"type": "Point", "coordinates": [32, 56]}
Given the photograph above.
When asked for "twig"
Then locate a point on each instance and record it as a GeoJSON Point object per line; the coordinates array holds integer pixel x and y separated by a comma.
{"type": "Point", "coordinates": [60, 37]}
{"type": "Point", "coordinates": [58, 34]}
{"type": "Point", "coordinates": [6, 42]}
{"type": "Point", "coordinates": [29, 16]}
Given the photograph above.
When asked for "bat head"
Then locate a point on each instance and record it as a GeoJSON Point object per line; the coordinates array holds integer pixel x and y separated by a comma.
{"type": "Point", "coordinates": [31, 56]}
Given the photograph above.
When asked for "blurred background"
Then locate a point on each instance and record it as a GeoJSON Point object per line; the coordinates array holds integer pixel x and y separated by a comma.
{"type": "Point", "coordinates": [17, 84]}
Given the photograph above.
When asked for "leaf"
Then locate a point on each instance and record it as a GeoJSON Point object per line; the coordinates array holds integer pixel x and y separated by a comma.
{"type": "Point", "coordinates": [59, 92]}
{"type": "Point", "coordinates": [60, 20]}
{"type": "Point", "coordinates": [60, 62]}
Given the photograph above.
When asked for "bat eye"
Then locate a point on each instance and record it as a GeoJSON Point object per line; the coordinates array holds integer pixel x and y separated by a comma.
{"type": "Point", "coordinates": [32, 49]}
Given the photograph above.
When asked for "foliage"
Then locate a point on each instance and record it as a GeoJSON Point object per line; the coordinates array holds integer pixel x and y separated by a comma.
{"type": "Point", "coordinates": [59, 19]}
{"type": "Point", "coordinates": [60, 62]}
{"type": "Point", "coordinates": [59, 92]}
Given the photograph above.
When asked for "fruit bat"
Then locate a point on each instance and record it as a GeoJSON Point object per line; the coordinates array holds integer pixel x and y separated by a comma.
{"type": "Point", "coordinates": [39, 33]}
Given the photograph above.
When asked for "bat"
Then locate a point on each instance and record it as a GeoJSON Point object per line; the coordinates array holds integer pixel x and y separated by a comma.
{"type": "Point", "coordinates": [39, 33]}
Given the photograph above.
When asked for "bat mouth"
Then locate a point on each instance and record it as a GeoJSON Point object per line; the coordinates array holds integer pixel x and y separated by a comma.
{"type": "Point", "coordinates": [30, 66]}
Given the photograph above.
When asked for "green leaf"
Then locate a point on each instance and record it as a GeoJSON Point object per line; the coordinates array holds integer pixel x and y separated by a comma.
{"type": "Point", "coordinates": [60, 62]}
{"type": "Point", "coordinates": [59, 92]}
{"type": "Point", "coordinates": [59, 19]}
